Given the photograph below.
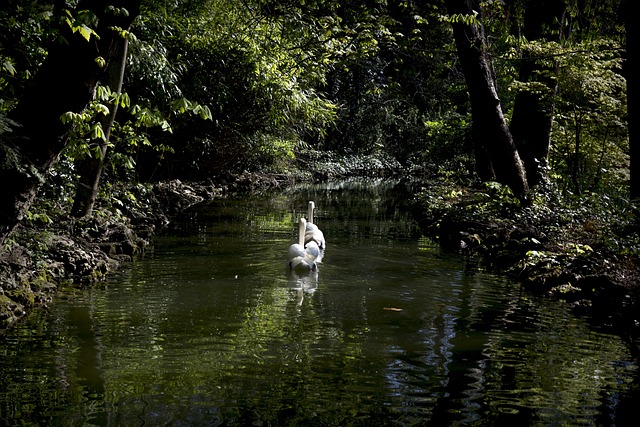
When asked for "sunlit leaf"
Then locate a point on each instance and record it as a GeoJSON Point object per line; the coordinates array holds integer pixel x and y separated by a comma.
{"type": "Point", "coordinates": [9, 68]}
{"type": "Point", "coordinates": [97, 132]}
{"type": "Point", "coordinates": [102, 109]}
{"type": "Point", "coordinates": [125, 101]}
{"type": "Point", "coordinates": [85, 32]}
{"type": "Point", "coordinates": [102, 93]}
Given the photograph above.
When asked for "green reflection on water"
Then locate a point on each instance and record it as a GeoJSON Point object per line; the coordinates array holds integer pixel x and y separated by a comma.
{"type": "Point", "coordinates": [211, 328]}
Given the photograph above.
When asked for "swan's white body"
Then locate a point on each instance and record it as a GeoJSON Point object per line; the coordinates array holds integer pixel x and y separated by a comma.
{"type": "Point", "coordinates": [312, 232]}
{"type": "Point", "coordinates": [301, 257]}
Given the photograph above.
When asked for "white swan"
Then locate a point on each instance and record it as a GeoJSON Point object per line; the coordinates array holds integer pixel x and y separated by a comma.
{"type": "Point", "coordinates": [312, 232]}
{"type": "Point", "coordinates": [301, 257]}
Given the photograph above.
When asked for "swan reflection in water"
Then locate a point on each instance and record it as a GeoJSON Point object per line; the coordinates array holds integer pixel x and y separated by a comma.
{"type": "Point", "coordinates": [303, 283]}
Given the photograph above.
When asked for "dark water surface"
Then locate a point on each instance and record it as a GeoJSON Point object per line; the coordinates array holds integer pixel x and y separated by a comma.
{"type": "Point", "coordinates": [211, 329]}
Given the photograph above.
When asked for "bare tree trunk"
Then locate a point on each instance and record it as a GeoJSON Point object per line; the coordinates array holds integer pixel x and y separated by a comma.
{"type": "Point", "coordinates": [90, 168]}
{"type": "Point", "coordinates": [489, 128]}
{"type": "Point", "coordinates": [65, 82]}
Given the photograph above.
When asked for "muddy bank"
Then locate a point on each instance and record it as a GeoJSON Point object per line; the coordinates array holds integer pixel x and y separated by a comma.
{"type": "Point", "coordinates": [37, 261]}
{"type": "Point", "coordinates": [568, 258]}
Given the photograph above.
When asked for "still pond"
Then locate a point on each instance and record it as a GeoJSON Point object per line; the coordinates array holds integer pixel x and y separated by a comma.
{"type": "Point", "coordinates": [210, 328]}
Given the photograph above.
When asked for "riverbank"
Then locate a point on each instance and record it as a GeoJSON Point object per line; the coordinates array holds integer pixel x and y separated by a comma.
{"type": "Point", "coordinates": [551, 250]}
{"type": "Point", "coordinates": [586, 257]}
{"type": "Point", "coordinates": [43, 256]}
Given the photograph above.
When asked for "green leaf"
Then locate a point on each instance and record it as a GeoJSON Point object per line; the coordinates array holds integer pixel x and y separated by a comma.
{"type": "Point", "coordinates": [67, 117]}
{"type": "Point", "coordinates": [102, 109]}
{"type": "Point", "coordinates": [102, 93]}
{"type": "Point", "coordinates": [97, 132]}
{"type": "Point", "coordinates": [96, 152]}
{"type": "Point", "coordinates": [125, 101]}
{"type": "Point", "coordinates": [180, 105]}
{"type": "Point", "coordinates": [166, 127]}
{"type": "Point", "coordinates": [9, 68]}
{"type": "Point", "coordinates": [205, 113]}
{"type": "Point", "coordinates": [85, 31]}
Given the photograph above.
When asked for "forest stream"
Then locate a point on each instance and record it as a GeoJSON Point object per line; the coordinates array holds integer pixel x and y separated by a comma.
{"type": "Point", "coordinates": [211, 328]}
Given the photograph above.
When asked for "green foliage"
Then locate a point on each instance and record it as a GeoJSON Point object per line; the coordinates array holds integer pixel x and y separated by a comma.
{"type": "Point", "coordinates": [128, 134]}
{"type": "Point", "coordinates": [51, 206]}
{"type": "Point", "coordinates": [7, 66]}
{"type": "Point", "coordinates": [334, 165]}
{"type": "Point", "coordinates": [447, 146]}
{"type": "Point", "coordinates": [24, 33]}
{"type": "Point", "coordinates": [82, 23]}
{"type": "Point", "coordinates": [599, 221]}
{"type": "Point", "coordinates": [458, 18]}
{"type": "Point", "coordinates": [183, 105]}
{"type": "Point", "coordinates": [591, 146]}
{"type": "Point", "coordinates": [389, 95]}
{"type": "Point", "coordinates": [258, 85]}
{"type": "Point", "coordinates": [271, 155]}
{"type": "Point", "coordinates": [38, 218]}
{"type": "Point", "coordinates": [249, 73]}
{"type": "Point", "coordinates": [6, 124]}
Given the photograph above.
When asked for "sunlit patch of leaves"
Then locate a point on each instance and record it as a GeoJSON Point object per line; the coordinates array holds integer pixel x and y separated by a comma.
{"type": "Point", "coordinates": [333, 165]}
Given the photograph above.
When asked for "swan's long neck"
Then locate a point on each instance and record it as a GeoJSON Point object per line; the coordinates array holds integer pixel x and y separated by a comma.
{"type": "Point", "coordinates": [311, 208]}
{"type": "Point", "coordinates": [301, 229]}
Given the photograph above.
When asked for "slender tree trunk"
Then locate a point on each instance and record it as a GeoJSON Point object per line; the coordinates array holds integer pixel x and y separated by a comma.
{"type": "Point", "coordinates": [489, 128]}
{"type": "Point", "coordinates": [575, 165]}
{"type": "Point", "coordinates": [90, 168]}
{"type": "Point", "coordinates": [65, 82]}
{"type": "Point", "coordinates": [632, 71]}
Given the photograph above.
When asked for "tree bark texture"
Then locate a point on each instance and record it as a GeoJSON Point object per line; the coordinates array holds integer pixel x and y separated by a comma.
{"type": "Point", "coordinates": [489, 128]}
{"type": "Point", "coordinates": [65, 82]}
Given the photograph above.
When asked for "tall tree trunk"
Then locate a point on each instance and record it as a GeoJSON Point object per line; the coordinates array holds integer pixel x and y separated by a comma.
{"type": "Point", "coordinates": [65, 82]}
{"type": "Point", "coordinates": [489, 128]}
{"type": "Point", "coordinates": [533, 111]}
{"type": "Point", "coordinates": [90, 168]}
{"type": "Point", "coordinates": [531, 124]}
{"type": "Point", "coordinates": [633, 96]}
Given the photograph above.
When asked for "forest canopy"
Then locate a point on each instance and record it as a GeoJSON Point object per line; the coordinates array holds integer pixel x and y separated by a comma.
{"type": "Point", "coordinates": [529, 94]}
